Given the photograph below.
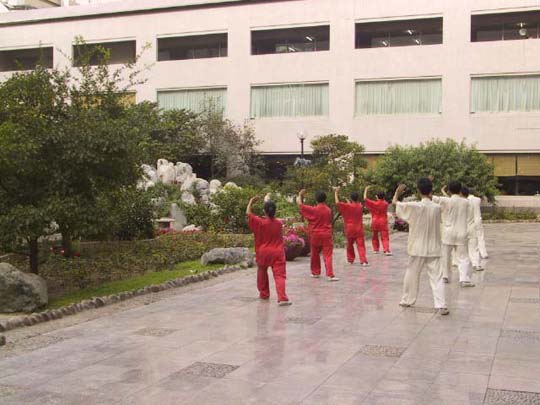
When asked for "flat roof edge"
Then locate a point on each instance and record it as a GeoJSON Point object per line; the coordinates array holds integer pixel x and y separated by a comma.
{"type": "Point", "coordinates": [43, 16]}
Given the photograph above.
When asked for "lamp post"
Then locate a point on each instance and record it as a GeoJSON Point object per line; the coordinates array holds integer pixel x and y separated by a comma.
{"type": "Point", "coordinates": [302, 137]}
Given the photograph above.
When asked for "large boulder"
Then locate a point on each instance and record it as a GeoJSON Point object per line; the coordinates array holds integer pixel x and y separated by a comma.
{"type": "Point", "coordinates": [228, 256]}
{"type": "Point", "coordinates": [21, 292]}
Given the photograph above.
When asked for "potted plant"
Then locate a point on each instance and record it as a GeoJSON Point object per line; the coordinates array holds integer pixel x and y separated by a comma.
{"type": "Point", "coordinates": [294, 245]}
{"type": "Point", "coordinates": [302, 232]}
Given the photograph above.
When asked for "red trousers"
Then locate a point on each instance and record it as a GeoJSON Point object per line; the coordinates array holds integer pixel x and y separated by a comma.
{"type": "Point", "coordinates": [325, 244]}
{"type": "Point", "coordinates": [360, 244]}
{"type": "Point", "coordinates": [280, 275]}
{"type": "Point", "coordinates": [385, 240]}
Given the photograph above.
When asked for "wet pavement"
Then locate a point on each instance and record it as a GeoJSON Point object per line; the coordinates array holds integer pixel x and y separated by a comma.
{"type": "Point", "coordinates": [339, 343]}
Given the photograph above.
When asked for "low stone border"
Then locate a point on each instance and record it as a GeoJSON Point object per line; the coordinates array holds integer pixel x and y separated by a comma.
{"type": "Point", "coordinates": [510, 221]}
{"type": "Point", "coordinates": [97, 302]}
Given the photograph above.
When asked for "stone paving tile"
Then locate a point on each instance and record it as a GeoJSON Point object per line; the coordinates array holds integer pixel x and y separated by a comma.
{"type": "Point", "coordinates": [525, 300]}
{"type": "Point", "coordinates": [500, 397]}
{"type": "Point", "coordinates": [382, 351]}
{"type": "Point", "coordinates": [158, 332]}
{"type": "Point", "coordinates": [209, 369]}
{"type": "Point", "coordinates": [516, 334]}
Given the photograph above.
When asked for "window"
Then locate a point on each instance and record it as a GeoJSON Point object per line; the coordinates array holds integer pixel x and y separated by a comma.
{"type": "Point", "coordinates": [118, 53]}
{"type": "Point", "coordinates": [26, 59]}
{"type": "Point", "coordinates": [505, 94]}
{"type": "Point", "coordinates": [196, 100]}
{"type": "Point", "coordinates": [392, 97]}
{"type": "Point", "coordinates": [383, 34]}
{"type": "Point", "coordinates": [290, 40]}
{"type": "Point", "coordinates": [505, 27]}
{"type": "Point", "coordinates": [192, 47]}
{"type": "Point", "coordinates": [289, 100]}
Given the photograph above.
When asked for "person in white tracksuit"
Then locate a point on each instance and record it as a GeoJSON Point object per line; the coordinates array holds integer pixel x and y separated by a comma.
{"type": "Point", "coordinates": [474, 251]}
{"type": "Point", "coordinates": [457, 213]}
{"type": "Point", "coordinates": [423, 245]}
{"type": "Point", "coordinates": [479, 225]}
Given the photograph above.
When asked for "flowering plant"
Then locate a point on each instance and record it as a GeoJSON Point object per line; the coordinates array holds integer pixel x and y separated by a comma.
{"type": "Point", "coordinates": [401, 225]}
{"type": "Point", "coordinates": [291, 238]}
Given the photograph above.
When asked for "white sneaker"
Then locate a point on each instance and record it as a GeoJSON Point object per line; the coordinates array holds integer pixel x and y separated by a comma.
{"type": "Point", "coordinates": [375, 252]}
{"type": "Point", "coordinates": [466, 284]}
{"type": "Point", "coordinates": [333, 278]}
{"type": "Point", "coordinates": [445, 279]}
{"type": "Point", "coordinates": [478, 268]}
{"type": "Point", "coordinates": [315, 275]}
{"type": "Point", "coordinates": [401, 304]}
{"type": "Point", "coordinates": [284, 303]}
{"type": "Point", "coordinates": [389, 254]}
{"type": "Point", "coordinates": [366, 264]}
{"type": "Point", "coordinates": [443, 311]}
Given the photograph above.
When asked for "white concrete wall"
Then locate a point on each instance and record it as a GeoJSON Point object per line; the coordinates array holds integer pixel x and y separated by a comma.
{"type": "Point", "coordinates": [455, 61]}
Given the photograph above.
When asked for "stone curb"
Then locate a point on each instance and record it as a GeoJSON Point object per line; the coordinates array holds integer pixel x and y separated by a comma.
{"type": "Point", "coordinates": [97, 302]}
{"type": "Point", "coordinates": [510, 221]}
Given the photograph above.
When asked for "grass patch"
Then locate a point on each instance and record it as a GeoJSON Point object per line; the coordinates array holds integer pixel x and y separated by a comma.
{"type": "Point", "coordinates": [183, 269]}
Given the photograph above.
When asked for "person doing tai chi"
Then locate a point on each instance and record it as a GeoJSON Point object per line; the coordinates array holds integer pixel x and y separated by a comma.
{"type": "Point", "coordinates": [423, 245]}
{"type": "Point", "coordinates": [472, 233]}
{"type": "Point", "coordinates": [269, 250]}
{"type": "Point", "coordinates": [319, 218]}
{"type": "Point", "coordinates": [477, 202]}
{"type": "Point", "coordinates": [457, 213]}
{"type": "Point", "coordinates": [379, 221]}
{"type": "Point", "coordinates": [352, 213]}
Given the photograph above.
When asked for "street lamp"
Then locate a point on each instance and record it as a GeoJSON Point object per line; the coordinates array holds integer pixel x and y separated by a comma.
{"type": "Point", "coordinates": [302, 137]}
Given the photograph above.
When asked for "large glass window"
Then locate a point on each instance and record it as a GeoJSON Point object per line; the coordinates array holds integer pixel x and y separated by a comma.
{"type": "Point", "coordinates": [505, 26]}
{"type": "Point", "coordinates": [192, 47]}
{"type": "Point", "coordinates": [26, 59]}
{"type": "Point", "coordinates": [393, 97]}
{"type": "Point", "coordinates": [290, 40]}
{"type": "Point", "coordinates": [505, 94]}
{"type": "Point", "coordinates": [289, 100]}
{"type": "Point", "coordinates": [381, 34]}
{"type": "Point", "coordinates": [196, 100]}
{"type": "Point", "coordinates": [117, 53]}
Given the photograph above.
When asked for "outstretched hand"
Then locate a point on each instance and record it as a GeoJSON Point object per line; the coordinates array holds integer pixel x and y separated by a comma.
{"type": "Point", "coordinates": [401, 189]}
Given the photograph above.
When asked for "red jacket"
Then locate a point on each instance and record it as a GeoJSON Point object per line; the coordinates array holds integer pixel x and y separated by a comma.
{"type": "Point", "coordinates": [268, 233]}
{"type": "Point", "coordinates": [319, 218]}
{"type": "Point", "coordinates": [352, 217]}
{"type": "Point", "coordinates": [379, 214]}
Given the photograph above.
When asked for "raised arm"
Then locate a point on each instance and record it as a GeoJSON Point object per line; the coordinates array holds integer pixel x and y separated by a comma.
{"type": "Point", "coordinates": [336, 193]}
{"type": "Point", "coordinates": [365, 192]}
{"type": "Point", "coordinates": [399, 191]}
{"type": "Point", "coordinates": [443, 191]}
{"type": "Point", "coordinates": [300, 199]}
{"type": "Point", "coordinates": [253, 200]}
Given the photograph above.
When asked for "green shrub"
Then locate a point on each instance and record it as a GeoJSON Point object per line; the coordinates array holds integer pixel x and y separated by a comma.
{"type": "Point", "coordinates": [500, 214]}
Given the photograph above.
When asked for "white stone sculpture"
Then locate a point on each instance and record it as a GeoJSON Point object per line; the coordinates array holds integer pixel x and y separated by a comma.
{"type": "Point", "coordinates": [166, 171]}
{"type": "Point", "coordinates": [180, 220]}
{"type": "Point", "coordinates": [215, 186]}
{"type": "Point", "coordinates": [184, 172]}
{"type": "Point", "coordinates": [191, 228]}
{"type": "Point", "coordinates": [188, 198]}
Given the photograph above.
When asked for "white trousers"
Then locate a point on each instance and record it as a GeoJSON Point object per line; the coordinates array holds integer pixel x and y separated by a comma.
{"type": "Point", "coordinates": [481, 241]}
{"type": "Point", "coordinates": [474, 252]}
{"type": "Point", "coordinates": [464, 263]}
{"type": "Point", "coordinates": [411, 281]}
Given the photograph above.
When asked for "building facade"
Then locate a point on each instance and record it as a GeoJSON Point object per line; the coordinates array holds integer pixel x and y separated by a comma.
{"type": "Point", "coordinates": [383, 73]}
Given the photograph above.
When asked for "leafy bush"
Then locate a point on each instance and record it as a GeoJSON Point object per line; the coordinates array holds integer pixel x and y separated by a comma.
{"type": "Point", "coordinates": [499, 214]}
{"type": "Point", "coordinates": [444, 160]}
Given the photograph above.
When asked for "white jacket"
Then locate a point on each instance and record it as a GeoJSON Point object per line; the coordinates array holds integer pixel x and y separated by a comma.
{"type": "Point", "coordinates": [457, 214]}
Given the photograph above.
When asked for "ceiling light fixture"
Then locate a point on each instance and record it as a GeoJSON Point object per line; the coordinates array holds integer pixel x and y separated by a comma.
{"type": "Point", "coordinates": [410, 32]}
{"type": "Point", "coordinates": [310, 39]}
{"type": "Point", "coordinates": [385, 43]}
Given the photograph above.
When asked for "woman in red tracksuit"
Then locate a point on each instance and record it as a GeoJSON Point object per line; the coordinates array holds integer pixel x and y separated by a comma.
{"type": "Point", "coordinates": [319, 218]}
{"type": "Point", "coordinates": [379, 221]}
{"type": "Point", "coordinates": [352, 213]}
{"type": "Point", "coordinates": [269, 250]}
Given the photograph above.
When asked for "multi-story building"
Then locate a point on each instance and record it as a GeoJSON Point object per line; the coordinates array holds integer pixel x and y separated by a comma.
{"type": "Point", "coordinates": [382, 72]}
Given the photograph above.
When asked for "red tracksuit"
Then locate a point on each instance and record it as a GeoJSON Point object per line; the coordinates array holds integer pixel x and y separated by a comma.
{"type": "Point", "coordinates": [379, 223]}
{"type": "Point", "coordinates": [270, 252]}
{"type": "Point", "coordinates": [354, 229]}
{"type": "Point", "coordinates": [319, 218]}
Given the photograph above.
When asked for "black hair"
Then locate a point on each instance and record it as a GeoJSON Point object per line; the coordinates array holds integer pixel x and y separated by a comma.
{"type": "Point", "coordinates": [270, 209]}
{"type": "Point", "coordinates": [355, 196]}
{"type": "Point", "coordinates": [381, 195]}
{"type": "Point", "coordinates": [320, 196]}
{"type": "Point", "coordinates": [454, 187]}
{"type": "Point", "coordinates": [465, 191]}
{"type": "Point", "coordinates": [425, 186]}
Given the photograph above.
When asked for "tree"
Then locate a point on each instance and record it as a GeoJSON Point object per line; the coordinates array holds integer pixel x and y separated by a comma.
{"type": "Point", "coordinates": [444, 160]}
{"type": "Point", "coordinates": [336, 161]}
{"type": "Point", "coordinates": [232, 148]}
{"type": "Point", "coordinates": [66, 141]}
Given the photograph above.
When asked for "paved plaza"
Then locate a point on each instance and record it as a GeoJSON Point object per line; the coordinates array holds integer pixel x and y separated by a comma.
{"type": "Point", "coordinates": [340, 343]}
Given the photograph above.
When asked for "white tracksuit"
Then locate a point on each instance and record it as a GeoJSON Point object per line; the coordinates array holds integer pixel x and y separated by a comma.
{"type": "Point", "coordinates": [457, 213]}
{"type": "Point", "coordinates": [479, 227]}
{"type": "Point", "coordinates": [474, 225]}
{"type": "Point", "coordinates": [423, 248]}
